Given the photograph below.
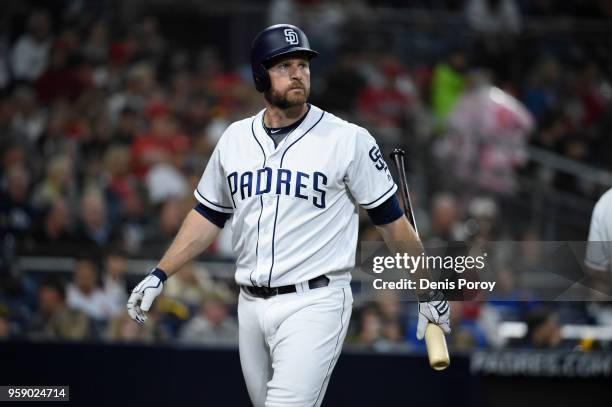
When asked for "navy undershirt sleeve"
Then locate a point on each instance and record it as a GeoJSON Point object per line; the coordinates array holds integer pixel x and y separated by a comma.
{"type": "Point", "coordinates": [386, 212]}
{"type": "Point", "coordinates": [217, 218]}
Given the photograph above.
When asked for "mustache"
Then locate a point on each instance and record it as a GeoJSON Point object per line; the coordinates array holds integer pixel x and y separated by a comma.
{"type": "Point", "coordinates": [297, 85]}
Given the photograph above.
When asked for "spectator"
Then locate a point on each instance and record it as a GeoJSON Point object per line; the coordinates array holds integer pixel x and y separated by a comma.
{"type": "Point", "coordinates": [161, 144]}
{"type": "Point", "coordinates": [117, 171]}
{"type": "Point", "coordinates": [151, 46]}
{"type": "Point", "coordinates": [135, 222]}
{"type": "Point", "coordinates": [494, 16]}
{"type": "Point", "coordinates": [58, 182]}
{"type": "Point", "coordinates": [444, 224]}
{"type": "Point", "coordinates": [576, 149]}
{"type": "Point", "coordinates": [123, 329]}
{"type": "Point", "coordinates": [370, 330]}
{"type": "Point", "coordinates": [28, 120]}
{"type": "Point", "coordinates": [86, 295]}
{"type": "Point", "coordinates": [127, 128]}
{"type": "Point", "coordinates": [138, 90]}
{"type": "Point", "coordinates": [344, 84]}
{"type": "Point", "coordinates": [542, 94]}
{"type": "Point", "coordinates": [190, 285]}
{"type": "Point", "coordinates": [543, 330]}
{"type": "Point", "coordinates": [447, 83]}
{"type": "Point", "coordinates": [113, 279]}
{"type": "Point", "coordinates": [171, 215]}
{"type": "Point", "coordinates": [487, 134]}
{"type": "Point", "coordinates": [390, 311]}
{"type": "Point", "coordinates": [592, 89]}
{"type": "Point", "coordinates": [30, 53]}
{"type": "Point", "coordinates": [467, 333]}
{"type": "Point", "coordinates": [483, 219]}
{"type": "Point", "coordinates": [96, 46]}
{"type": "Point", "coordinates": [53, 235]}
{"type": "Point", "coordinates": [60, 79]}
{"type": "Point", "coordinates": [389, 307]}
{"type": "Point", "coordinates": [386, 104]}
{"type": "Point", "coordinates": [16, 212]}
{"type": "Point", "coordinates": [55, 319]}
{"type": "Point", "coordinates": [213, 325]}
{"type": "Point", "coordinates": [165, 183]}
{"type": "Point", "coordinates": [93, 229]}
{"type": "Point", "coordinates": [13, 154]}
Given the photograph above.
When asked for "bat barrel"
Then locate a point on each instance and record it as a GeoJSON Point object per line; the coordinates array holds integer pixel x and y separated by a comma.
{"type": "Point", "coordinates": [436, 347]}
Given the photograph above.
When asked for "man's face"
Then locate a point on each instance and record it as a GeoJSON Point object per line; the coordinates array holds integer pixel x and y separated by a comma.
{"type": "Point", "coordinates": [290, 82]}
{"type": "Point", "coordinates": [85, 276]}
{"type": "Point", "coordinates": [49, 301]}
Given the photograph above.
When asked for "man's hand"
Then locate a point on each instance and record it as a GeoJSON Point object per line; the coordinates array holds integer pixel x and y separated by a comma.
{"type": "Point", "coordinates": [144, 293]}
{"type": "Point", "coordinates": [434, 309]}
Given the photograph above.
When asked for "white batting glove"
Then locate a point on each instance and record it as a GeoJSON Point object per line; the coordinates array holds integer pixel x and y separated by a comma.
{"type": "Point", "coordinates": [435, 310]}
{"type": "Point", "coordinates": [144, 293]}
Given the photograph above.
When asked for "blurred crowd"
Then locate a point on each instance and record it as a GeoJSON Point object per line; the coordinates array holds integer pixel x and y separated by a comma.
{"type": "Point", "coordinates": [106, 129]}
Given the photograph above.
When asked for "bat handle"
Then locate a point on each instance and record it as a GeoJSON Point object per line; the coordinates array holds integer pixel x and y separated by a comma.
{"type": "Point", "coordinates": [398, 158]}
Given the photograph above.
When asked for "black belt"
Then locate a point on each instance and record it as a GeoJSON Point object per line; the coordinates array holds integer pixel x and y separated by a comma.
{"type": "Point", "coordinates": [267, 292]}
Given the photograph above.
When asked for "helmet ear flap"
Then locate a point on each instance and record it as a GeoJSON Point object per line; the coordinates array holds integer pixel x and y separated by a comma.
{"type": "Point", "coordinates": [261, 78]}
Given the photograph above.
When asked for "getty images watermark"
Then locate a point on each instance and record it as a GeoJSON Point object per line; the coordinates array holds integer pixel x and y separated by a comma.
{"type": "Point", "coordinates": [484, 271]}
{"type": "Point", "coordinates": [404, 262]}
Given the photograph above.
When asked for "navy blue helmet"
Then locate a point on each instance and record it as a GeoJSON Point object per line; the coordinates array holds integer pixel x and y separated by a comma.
{"type": "Point", "coordinates": [274, 41]}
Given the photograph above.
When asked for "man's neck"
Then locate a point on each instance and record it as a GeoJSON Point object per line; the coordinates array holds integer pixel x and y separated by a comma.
{"type": "Point", "coordinates": [276, 118]}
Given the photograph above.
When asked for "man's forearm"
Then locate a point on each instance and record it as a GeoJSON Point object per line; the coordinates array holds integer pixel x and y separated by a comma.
{"type": "Point", "coordinates": [401, 237]}
{"type": "Point", "coordinates": [599, 281]}
{"type": "Point", "coordinates": [195, 235]}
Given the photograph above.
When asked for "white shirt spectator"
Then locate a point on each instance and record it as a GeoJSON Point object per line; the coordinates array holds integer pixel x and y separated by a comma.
{"type": "Point", "coordinates": [165, 182]}
{"type": "Point", "coordinates": [115, 291]}
{"type": "Point", "coordinates": [29, 58]}
{"type": "Point", "coordinates": [599, 248]}
{"type": "Point", "coordinates": [484, 16]}
{"type": "Point", "coordinates": [96, 305]}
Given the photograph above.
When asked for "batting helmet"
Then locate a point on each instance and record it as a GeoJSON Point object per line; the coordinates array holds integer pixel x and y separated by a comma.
{"type": "Point", "coordinates": [274, 41]}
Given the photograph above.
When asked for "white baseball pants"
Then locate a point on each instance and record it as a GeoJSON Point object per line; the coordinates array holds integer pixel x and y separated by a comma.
{"type": "Point", "coordinates": [290, 343]}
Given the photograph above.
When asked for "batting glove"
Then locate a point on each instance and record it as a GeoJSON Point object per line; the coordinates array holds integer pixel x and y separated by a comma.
{"type": "Point", "coordinates": [434, 309]}
{"type": "Point", "coordinates": [144, 293]}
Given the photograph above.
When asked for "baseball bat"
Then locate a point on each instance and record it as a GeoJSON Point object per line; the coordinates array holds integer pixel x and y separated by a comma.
{"type": "Point", "coordinates": [435, 342]}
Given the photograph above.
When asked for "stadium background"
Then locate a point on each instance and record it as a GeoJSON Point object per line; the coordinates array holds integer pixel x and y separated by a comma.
{"type": "Point", "coordinates": [109, 110]}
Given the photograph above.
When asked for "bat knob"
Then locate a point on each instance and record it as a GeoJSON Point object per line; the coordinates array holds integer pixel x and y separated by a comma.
{"type": "Point", "coordinates": [398, 151]}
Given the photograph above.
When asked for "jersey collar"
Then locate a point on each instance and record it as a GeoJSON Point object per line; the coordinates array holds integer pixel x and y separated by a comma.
{"type": "Point", "coordinates": [312, 116]}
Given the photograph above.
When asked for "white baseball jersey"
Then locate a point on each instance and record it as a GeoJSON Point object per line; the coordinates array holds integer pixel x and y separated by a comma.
{"type": "Point", "coordinates": [599, 248]}
{"type": "Point", "coordinates": [294, 206]}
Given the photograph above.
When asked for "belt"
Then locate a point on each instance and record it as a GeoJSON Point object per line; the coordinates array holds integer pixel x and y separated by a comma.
{"type": "Point", "coordinates": [267, 292]}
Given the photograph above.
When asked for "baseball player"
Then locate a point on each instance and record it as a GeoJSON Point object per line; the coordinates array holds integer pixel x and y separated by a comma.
{"type": "Point", "coordinates": [599, 247]}
{"type": "Point", "coordinates": [289, 180]}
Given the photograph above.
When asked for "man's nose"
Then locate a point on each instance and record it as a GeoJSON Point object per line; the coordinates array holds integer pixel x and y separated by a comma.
{"type": "Point", "coordinates": [296, 73]}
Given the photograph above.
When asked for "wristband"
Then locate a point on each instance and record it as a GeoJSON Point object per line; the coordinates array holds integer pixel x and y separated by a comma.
{"type": "Point", "coordinates": [432, 295]}
{"type": "Point", "coordinates": [159, 273]}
